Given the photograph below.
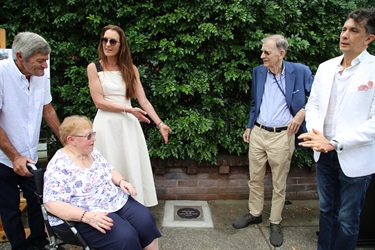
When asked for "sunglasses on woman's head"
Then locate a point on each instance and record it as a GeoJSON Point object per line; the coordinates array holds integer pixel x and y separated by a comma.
{"type": "Point", "coordinates": [112, 42]}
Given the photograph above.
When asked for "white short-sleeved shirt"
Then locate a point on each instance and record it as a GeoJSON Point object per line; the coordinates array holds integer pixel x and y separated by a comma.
{"type": "Point", "coordinates": [21, 109]}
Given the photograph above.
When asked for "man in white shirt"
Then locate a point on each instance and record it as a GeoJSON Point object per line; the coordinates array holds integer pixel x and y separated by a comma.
{"type": "Point", "coordinates": [25, 98]}
{"type": "Point", "coordinates": [340, 118]}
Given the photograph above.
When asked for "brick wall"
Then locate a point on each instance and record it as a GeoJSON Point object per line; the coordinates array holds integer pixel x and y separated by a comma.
{"type": "Point", "coordinates": [177, 179]}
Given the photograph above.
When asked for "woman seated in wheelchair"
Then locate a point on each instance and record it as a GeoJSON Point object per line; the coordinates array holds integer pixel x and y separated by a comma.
{"type": "Point", "coordinates": [81, 186]}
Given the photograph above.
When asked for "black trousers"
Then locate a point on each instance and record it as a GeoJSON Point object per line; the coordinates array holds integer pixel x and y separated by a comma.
{"type": "Point", "coordinates": [10, 185]}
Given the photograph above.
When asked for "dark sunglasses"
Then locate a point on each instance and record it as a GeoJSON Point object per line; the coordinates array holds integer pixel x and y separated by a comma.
{"type": "Point", "coordinates": [112, 42]}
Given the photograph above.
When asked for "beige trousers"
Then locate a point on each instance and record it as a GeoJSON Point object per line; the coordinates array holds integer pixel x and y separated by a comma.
{"type": "Point", "coordinates": [277, 149]}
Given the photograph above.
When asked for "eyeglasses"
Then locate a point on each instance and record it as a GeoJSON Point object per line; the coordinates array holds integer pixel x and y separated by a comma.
{"type": "Point", "coordinates": [112, 42]}
{"type": "Point", "coordinates": [88, 137]}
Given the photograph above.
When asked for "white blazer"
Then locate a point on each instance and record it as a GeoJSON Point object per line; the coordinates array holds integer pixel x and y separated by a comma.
{"type": "Point", "coordinates": [355, 129]}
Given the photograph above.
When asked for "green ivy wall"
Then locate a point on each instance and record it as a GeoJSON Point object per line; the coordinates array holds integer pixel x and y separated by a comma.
{"type": "Point", "coordinates": [195, 58]}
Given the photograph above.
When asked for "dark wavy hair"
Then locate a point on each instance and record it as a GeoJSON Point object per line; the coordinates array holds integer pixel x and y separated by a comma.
{"type": "Point", "coordinates": [364, 15]}
{"type": "Point", "coordinates": [124, 60]}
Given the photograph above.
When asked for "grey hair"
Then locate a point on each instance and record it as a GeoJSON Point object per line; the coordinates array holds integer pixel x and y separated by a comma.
{"type": "Point", "coordinates": [28, 44]}
{"type": "Point", "coordinates": [280, 41]}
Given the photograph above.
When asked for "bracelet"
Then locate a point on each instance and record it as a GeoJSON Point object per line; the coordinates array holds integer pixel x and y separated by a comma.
{"type": "Point", "coordinates": [83, 214]}
{"type": "Point", "coordinates": [160, 124]}
{"type": "Point", "coordinates": [120, 181]}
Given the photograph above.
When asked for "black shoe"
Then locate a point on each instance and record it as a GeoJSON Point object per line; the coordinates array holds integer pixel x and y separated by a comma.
{"type": "Point", "coordinates": [276, 235]}
{"type": "Point", "coordinates": [42, 247]}
{"type": "Point", "coordinates": [246, 220]}
{"type": "Point", "coordinates": [48, 247]}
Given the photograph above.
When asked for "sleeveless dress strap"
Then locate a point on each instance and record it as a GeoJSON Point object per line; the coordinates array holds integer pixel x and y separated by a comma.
{"type": "Point", "coordinates": [98, 66]}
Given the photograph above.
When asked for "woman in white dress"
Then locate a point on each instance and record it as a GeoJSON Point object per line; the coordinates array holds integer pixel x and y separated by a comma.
{"type": "Point", "coordinates": [113, 81]}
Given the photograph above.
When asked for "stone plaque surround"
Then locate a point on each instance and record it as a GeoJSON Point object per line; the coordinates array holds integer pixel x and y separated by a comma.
{"type": "Point", "coordinates": [173, 219]}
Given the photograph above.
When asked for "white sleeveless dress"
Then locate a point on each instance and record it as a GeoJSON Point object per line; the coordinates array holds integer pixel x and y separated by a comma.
{"type": "Point", "coordinates": [119, 137]}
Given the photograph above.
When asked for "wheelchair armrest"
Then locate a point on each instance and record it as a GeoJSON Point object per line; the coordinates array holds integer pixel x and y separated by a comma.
{"type": "Point", "coordinates": [70, 223]}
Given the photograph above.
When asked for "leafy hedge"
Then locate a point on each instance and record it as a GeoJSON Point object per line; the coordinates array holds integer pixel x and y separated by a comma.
{"type": "Point", "coordinates": [195, 58]}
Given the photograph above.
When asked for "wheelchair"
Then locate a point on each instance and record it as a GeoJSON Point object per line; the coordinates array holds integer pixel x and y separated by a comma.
{"type": "Point", "coordinates": [71, 236]}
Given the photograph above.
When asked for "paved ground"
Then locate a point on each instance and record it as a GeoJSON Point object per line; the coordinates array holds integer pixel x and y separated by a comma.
{"type": "Point", "coordinates": [300, 223]}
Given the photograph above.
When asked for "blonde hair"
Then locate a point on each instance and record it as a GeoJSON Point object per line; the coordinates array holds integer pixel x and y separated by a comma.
{"type": "Point", "coordinates": [72, 125]}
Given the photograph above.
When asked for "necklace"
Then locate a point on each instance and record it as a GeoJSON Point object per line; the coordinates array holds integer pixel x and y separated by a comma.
{"type": "Point", "coordinates": [74, 153]}
{"type": "Point", "coordinates": [84, 162]}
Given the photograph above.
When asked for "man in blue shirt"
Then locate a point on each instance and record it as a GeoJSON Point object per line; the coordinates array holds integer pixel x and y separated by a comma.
{"type": "Point", "coordinates": [278, 97]}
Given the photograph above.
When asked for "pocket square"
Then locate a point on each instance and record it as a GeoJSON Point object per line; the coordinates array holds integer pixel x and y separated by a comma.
{"type": "Point", "coordinates": [365, 87]}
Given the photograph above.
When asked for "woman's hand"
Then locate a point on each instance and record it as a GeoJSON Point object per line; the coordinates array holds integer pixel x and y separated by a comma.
{"type": "Point", "coordinates": [97, 220]}
{"type": "Point", "coordinates": [128, 188]}
{"type": "Point", "coordinates": [140, 114]}
{"type": "Point", "coordinates": [165, 130]}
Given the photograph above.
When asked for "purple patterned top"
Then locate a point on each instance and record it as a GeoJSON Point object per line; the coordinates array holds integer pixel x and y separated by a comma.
{"type": "Point", "coordinates": [91, 189]}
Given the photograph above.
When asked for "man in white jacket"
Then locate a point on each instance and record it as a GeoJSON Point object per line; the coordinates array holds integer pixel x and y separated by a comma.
{"type": "Point", "coordinates": [340, 118]}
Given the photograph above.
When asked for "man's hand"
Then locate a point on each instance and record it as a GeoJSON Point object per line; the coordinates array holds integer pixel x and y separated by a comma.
{"type": "Point", "coordinates": [19, 165]}
{"type": "Point", "coordinates": [246, 135]}
{"type": "Point", "coordinates": [315, 140]}
{"type": "Point", "coordinates": [296, 122]}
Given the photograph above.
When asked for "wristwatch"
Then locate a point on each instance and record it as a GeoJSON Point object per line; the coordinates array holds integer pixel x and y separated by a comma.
{"type": "Point", "coordinates": [336, 145]}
